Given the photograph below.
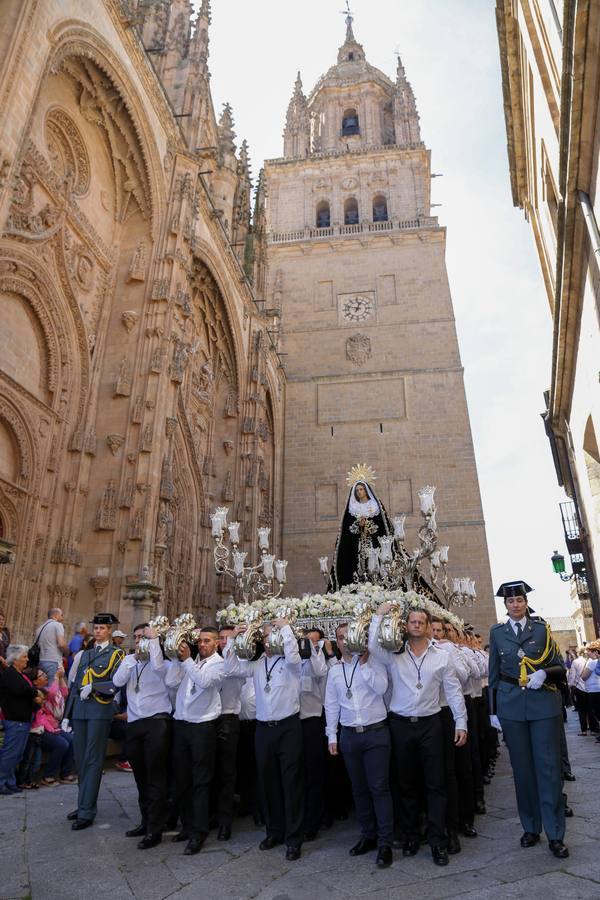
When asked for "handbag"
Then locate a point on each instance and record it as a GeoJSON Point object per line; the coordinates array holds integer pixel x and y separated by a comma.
{"type": "Point", "coordinates": [33, 654]}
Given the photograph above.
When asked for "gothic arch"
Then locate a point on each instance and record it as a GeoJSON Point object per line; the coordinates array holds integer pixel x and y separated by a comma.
{"type": "Point", "coordinates": [9, 519]}
{"type": "Point", "coordinates": [17, 425]}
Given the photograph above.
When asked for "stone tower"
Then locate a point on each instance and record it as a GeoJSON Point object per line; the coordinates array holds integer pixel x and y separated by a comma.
{"type": "Point", "coordinates": [356, 265]}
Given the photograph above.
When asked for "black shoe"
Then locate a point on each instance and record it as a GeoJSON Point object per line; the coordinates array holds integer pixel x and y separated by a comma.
{"type": "Point", "coordinates": [80, 824]}
{"type": "Point", "coordinates": [568, 776]}
{"type": "Point", "coordinates": [193, 846]}
{"type": "Point", "coordinates": [529, 839]}
{"type": "Point", "coordinates": [365, 845]}
{"type": "Point", "coordinates": [453, 843]}
{"type": "Point", "coordinates": [558, 849]}
{"type": "Point", "coordinates": [568, 812]}
{"type": "Point", "coordinates": [138, 831]}
{"type": "Point", "coordinates": [469, 831]}
{"type": "Point", "coordinates": [384, 857]}
{"type": "Point", "coordinates": [309, 836]}
{"type": "Point", "coordinates": [150, 840]}
{"type": "Point", "coordinates": [224, 833]}
{"type": "Point", "coordinates": [180, 836]}
{"type": "Point", "coordinates": [440, 856]}
{"type": "Point", "coordinates": [269, 842]}
{"type": "Point", "coordinates": [73, 815]}
{"type": "Point", "coordinates": [480, 808]}
{"type": "Point", "coordinates": [410, 848]}
{"type": "Point", "coordinates": [292, 853]}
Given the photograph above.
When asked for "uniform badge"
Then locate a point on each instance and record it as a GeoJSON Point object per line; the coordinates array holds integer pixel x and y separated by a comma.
{"type": "Point", "coordinates": [520, 653]}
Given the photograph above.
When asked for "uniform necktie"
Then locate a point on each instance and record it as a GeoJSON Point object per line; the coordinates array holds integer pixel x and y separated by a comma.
{"type": "Point", "coordinates": [519, 631]}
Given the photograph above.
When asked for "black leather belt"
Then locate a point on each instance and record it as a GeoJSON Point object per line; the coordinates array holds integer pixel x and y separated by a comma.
{"type": "Point", "coordinates": [360, 729]}
{"type": "Point", "coordinates": [510, 680]}
{"type": "Point", "coordinates": [274, 723]}
{"type": "Point", "coordinates": [412, 719]}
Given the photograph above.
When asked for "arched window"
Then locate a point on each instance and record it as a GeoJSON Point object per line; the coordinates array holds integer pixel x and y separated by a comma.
{"type": "Point", "coordinates": [380, 211]}
{"type": "Point", "coordinates": [350, 211]}
{"type": "Point", "coordinates": [323, 214]}
{"type": "Point", "coordinates": [350, 122]}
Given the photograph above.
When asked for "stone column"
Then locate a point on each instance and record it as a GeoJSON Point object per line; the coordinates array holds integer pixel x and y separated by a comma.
{"type": "Point", "coordinates": [144, 597]}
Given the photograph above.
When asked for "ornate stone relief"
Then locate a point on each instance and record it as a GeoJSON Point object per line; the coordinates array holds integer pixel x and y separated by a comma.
{"type": "Point", "coordinates": [137, 269]}
{"type": "Point", "coordinates": [358, 349]}
{"type": "Point", "coordinates": [114, 441]}
{"type": "Point", "coordinates": [106, 517]}
{"type": "Point", "coordinates": [123, 381]}
{"type": "Point", "coordinates": [66, 150]}
{"type": "Point", "coordinates": [129, 318]}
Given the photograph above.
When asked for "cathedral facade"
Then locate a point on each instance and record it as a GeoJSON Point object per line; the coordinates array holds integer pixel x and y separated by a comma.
{"type": "Point", "coordinates": [146, 310]}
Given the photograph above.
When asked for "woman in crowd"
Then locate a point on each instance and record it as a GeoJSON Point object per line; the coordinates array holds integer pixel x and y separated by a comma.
{"type": "Point", "coordinates": [18, 698]}
{"type": "Point", "coordinates": [56, 743]}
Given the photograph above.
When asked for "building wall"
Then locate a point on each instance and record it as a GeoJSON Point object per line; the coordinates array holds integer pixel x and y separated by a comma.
{"type": "Point", "coordinates": [137, 389]}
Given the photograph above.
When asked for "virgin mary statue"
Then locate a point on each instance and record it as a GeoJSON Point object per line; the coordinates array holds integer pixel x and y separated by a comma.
{"type": "Point", "coordinates": [364, 521]}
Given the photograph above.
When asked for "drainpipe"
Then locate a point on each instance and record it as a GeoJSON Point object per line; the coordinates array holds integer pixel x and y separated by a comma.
{"type": "Point", "coordinates": [590, 223]}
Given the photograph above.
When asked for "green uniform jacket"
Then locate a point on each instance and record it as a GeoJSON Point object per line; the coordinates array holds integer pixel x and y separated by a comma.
{"type": "Point", "coordinates": [509, 701]}
{"type": "Point", "coordinates": [100, 668]}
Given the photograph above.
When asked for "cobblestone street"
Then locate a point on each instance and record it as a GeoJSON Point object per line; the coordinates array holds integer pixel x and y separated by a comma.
{"type": "Point", "coordinates": [41, 858]}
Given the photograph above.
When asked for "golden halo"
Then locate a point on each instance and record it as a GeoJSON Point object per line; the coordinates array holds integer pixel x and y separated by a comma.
{"type": "Point", "coordinates": [360, 472]}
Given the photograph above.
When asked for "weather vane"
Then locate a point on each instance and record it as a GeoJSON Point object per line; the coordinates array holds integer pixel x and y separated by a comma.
{"type": "Point", "coordinates": [348, 13]}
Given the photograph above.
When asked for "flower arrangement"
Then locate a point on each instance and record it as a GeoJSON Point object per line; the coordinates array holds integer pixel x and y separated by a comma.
{"type": "Point", "coordinates": [346, 603]}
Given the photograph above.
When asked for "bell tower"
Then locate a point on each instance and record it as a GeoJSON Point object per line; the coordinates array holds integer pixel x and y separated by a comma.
{"type": "Point", "coordinates": [356, 263]}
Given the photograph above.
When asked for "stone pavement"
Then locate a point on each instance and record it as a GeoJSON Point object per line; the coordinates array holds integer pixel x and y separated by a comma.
{"type": "Point", "coordinates": [41, 858]}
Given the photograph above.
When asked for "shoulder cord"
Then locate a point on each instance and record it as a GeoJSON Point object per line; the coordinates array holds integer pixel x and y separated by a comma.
{"type": "Point", "coordinates": [533, 664]}
{"type": "Point", "coordinates": [90, 673]}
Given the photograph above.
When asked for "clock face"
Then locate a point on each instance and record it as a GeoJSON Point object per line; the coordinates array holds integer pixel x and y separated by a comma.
{"type": "Point", "coordinates": [357, 309]}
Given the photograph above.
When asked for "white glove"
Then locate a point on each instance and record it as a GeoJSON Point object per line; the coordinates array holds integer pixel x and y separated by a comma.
{"type": "Point", "coordinates": [64, 726]}
{"type": "Point", "coordinates": [536, 680]}
{"type": "Point", "coordinates": [85, 692]}
{"type": "Point", "coordinates": [495, 723]}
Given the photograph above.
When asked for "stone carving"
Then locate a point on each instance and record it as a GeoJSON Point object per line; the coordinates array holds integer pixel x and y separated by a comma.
{"type": "Point", "coordinates": [348, 184]}
{"type": "Point", "coordinates": [231, 405]}
{"type": "Point", "coordinates": [358, 349]}
{"type": "Point", "coordinates": [66, 150]}
{"type": "Point", "coordinates": [137, 269]}
{"type": "Point", "coordinates": [147, 439]}
{"type": "Point", "coordinates": [137, 415]}
{"type": "Point", "coordinates": [136, 525]}
{"type": "Point", "coordinates": [170, 426]}
{"type": "Point", "coordinates": [203, 384]}
{"type": "Point", "coordinates": [90, 442]}
{"type": "Point", "coordinates": [227, 492]}
{"type": "Point", "coordinates": [228, 447]}
{"type": "Point", "coordinates": [156, 361]}
{"type": "Point", "coordinates": [123, 382]}
{"type": "Point", "coordinates": [127, 493]}
{"type": "Point", "coordinates": [129, 317]}
{"type": "Point", "coordinates": [181, 354]}
{"type": "Point", "coordinates": [106, 517]}
{"type": "Point", "coordinates": [114, 441]}
{"type": "Point", "coordinates": [80, 265]}
{"type": "Point", "coordinates": [65, 552]}
{"type": "Point", "coordinates": [160, 289]}
{"type": "Point", "coordinates": [166, 479]}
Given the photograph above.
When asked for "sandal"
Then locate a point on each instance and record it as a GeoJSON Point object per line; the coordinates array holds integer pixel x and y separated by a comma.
{"type": "Point", "coordinates": [582, 734]}
{"type": "Point", "coordinates": [69, 779]}
{"type": "Point", "coordinates": [49, 782]}
{"type": "Point", "coordinates": [34, 786]}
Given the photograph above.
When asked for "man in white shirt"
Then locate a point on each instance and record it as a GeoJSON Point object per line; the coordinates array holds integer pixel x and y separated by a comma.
{"type": "Point", "coordinates": [312, 693]}
{"type": "Point", "coordinates": [354, 698]}
{"type": "Point", "coordinates": [50, 637]}
{"type": "Point", "coordinates": [148, 735]}
{"type": "Point", "coordinates": [197, 708]}
{"type": "Point", "coordinates": [587, 719]}
{"type": "Point", "coordinates": [278, 735]}
{"type": "Point", "coordinates": [228, 736]}
{"type": "Point", "coordinates": [418, 676]}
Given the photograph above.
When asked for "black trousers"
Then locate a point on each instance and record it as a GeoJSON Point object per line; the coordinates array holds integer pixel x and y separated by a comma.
{"type": "Point", "coordinates": [148, 744]}
{"type": "Point", "coordinates": [463, 768]}
{"type": "Point", "coordinates": [314, 750]}
{"type": "Point", "coordinates": [281, 778]}
{"type": "Point", "coordinates": [474, 727]}
{"type": "Point", "coordinates": [418, 748]}
{"type": "Point", "coordinates": [228, 736]}
{"type": "Point", "coordinates": [367, 758]}
{"type": "Point", "coordinates": [452, 818]}
{"type": "Point", "coordinates": [585, 711]}
{"type": "Point", "coordinates": [246, 770]}
{"type": "Point", "coordinates": [194, 758]}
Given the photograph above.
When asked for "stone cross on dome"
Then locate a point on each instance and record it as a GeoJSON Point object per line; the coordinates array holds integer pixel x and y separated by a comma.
{"type": "Point", "coordinates": [349, 20]}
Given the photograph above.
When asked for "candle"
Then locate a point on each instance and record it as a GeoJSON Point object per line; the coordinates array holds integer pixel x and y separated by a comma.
{"type": "Point", "coordinates": [238, 557]}
{"type": "Point", "coordinates": [324, 565]}
{"type": "Point", "coordinates": [263, 538]}
{"type": "Point", "coordinates": [385, 553]}
{"type": "Point", "coordinates": [267, 564]}
{"type": "Point", "coordinates": [426, 499]}
{"type": "Point", "coordinates": [444, 554]}
{"type": "Point", "coordinates": [280, 567]}
{"type": "Point", "coordinates": [398, 523]}
{"type": "Point", "coordinates": [373, 561]}
{"type": "Point", "coordinates": [234, 532]}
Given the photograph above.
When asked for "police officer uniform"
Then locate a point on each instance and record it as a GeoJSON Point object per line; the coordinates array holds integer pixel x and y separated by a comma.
{"type": "Point", "coordinates": [90, 709]}
{"type": "Point", "coordinates": [524, 666]}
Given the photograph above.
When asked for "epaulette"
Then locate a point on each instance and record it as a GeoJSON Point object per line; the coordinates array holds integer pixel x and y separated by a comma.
{"type": "Point", "coordinates": [538, 619]}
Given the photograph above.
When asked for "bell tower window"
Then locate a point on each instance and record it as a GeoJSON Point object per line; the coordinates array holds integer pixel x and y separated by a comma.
{"type": "Point", "coordinates": [351, 211]}
{"type": "Point", "coordinates": [380, 210]}
{"type": "Point", "coordinates": [350, 123]}
{"type": "Point", "coordinates": [323, 214]}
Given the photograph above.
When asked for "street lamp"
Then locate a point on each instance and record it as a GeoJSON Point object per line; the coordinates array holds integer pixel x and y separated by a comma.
{"type": "Point", "coordinates": [558, 564]}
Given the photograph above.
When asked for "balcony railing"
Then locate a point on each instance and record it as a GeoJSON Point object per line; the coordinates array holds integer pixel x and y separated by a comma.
{"type": "Point", "coordinates": [306, 234]}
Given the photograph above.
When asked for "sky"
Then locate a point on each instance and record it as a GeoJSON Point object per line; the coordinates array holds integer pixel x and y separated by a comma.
{"type": "Point", "coordinates": [450, 52]}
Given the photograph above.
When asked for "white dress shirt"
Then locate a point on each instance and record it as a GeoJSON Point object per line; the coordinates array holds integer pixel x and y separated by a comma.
{"type": "Point", "coordinates": [312, 684]}
{"type": "Point", "coordinates": [574, 678]}
{"type": "Point", "coordinates": [248, 701]}
{"type": "Point", "coordinates": [231, 694]}
{"type": "Point", "coordinates": [522, 622]}
{"type": "Point", "coordinates": [147, 693]}
{"type": "Point", "coordinates": [434, 670]}
{"type": "Point", "coordinates": [283, 698]}
{"type": "Point", "coordinates": [365, 706]}
{"type": "Point", "coordinates": [459, 663]}
{"type": "Point", "coordinates": [473, 668]}
{"type": "Point", "coordinates": [199, 682]}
